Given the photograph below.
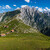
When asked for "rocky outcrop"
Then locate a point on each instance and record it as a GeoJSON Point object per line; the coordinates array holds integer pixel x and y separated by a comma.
{"type": "Point", "coordinates": [32, 17]}
{"type": "Point", "coordinates": [7, 15]}
{"type": "Point", "coordinates": [36, 19]}
{"type": "Point", "coordinates": [27, 14]}
{"type": "Point", "coordinates": [1, 16]}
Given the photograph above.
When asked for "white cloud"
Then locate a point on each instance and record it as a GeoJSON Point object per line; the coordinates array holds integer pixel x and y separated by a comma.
{"type": "Point", "coordinates": [48, 9]}
{"type": "Point", "coordinates": [27, 1]}
{"type": "Point", "coordinates": [23, 6]}
{"type": "Point", "coordinates": [40, 9]}
{"type": "Point", "coordinates": [17, 8]}
{"type": "Point", "coordinates": [36, 7]}
{"type": "Point", "coordinates": [45, 10]}
{"type": "Point", "coordinates": [14, 5]}
{"type": "Point", "coordinates": [7, 7]}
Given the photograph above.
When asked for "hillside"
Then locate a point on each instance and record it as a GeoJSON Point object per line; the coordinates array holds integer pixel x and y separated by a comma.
{"type": "Point", "coordinates": [31, 17]}
{"type": "Point", "coordinates": [18, 26]}
{"type": "Point", "coordinates": [24, 29]}
{"type": "Point", "coordinates": [24, 37]}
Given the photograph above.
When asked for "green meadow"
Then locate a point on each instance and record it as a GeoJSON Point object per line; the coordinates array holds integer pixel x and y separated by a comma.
{"type": "Point", "coordinates": [27, 41]}
{"type": "Point", "coordinates": [23, 38]}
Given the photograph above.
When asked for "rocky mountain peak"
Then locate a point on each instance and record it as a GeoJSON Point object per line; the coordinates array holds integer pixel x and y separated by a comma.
{"type": "Point", "coordinates": [30, 16]}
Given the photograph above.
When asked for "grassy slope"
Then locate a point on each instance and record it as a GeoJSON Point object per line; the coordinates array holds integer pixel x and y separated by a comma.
{"type": "Point", "coordinates": [18, 26]}
{"type": "Point", "coordinates": [25, 42]}
{"type": "Point", "coordinates": [20, 40]}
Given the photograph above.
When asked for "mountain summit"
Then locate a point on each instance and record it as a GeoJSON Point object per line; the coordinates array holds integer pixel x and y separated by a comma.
{"type": "Point", "coordinates": [30, 16]}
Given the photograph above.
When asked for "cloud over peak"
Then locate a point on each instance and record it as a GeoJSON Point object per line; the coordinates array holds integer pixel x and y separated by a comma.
{"type": "Point", "coordinates": [17, 8]}
{"type": "Point", "coordinates": [27, 1]}
{"type": "Point", "coordinates": [14, 5]}
{"type": "Point", "coordinates": [7, 7]}
{"type": "Point", "coordinates": [36, 7]}
{"type": "Point", "coordinates": [40, 9]}
{"type": "Point", "coordinates": [43, 9]}
{"type": "Point", "coordinates": [22, 6]}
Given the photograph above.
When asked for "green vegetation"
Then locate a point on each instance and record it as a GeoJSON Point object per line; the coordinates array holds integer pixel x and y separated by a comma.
{"type": "Point", "coordinates": [30, 41]}
{"type": "Point", "coordinates": [18, 26]}
{"type": "Point", "coordinates": [23, 38]}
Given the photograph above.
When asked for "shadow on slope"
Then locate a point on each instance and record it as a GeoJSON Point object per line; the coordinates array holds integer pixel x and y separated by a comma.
{"type": "Point", "coordinates": [11, 14]}
{"type": "Point", "coordinates": [46, 31]}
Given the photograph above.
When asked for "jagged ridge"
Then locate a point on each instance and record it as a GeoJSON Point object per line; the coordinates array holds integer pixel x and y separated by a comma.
{"type": "Point", "coordinates": [31, 17]}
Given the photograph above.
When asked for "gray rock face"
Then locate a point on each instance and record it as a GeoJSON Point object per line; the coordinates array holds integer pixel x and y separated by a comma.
{"type": "Point", "coordinates": [36, 19]}
{"type": "Point", "coordinates": [27, 14]}
{"type": "Point", "coordinates": [1, 16]}
{"type": "Point", "coordinates": [5, 16]}
{"type": "Point", "coordinates": [31, 17]}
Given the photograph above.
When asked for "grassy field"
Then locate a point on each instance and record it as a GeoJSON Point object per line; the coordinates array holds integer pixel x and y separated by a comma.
{"type": "Point", "coordinates": [29, 41]}
{"type": "Point", "coordinates": [24, 38]}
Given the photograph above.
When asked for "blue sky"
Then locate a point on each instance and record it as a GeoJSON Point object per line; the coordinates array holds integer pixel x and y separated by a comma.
{"type": "Point", "coordinates": [10, 5]}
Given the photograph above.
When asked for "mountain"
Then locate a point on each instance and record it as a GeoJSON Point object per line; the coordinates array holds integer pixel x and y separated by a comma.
{"type": "Point", "coordinates": [36, 19]}
{"type": "Point", "coordinates": [29, 16]}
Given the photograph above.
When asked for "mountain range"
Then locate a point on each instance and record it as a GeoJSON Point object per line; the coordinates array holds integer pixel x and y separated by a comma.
{"type": "Point", "coordinates": [29, 16]}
